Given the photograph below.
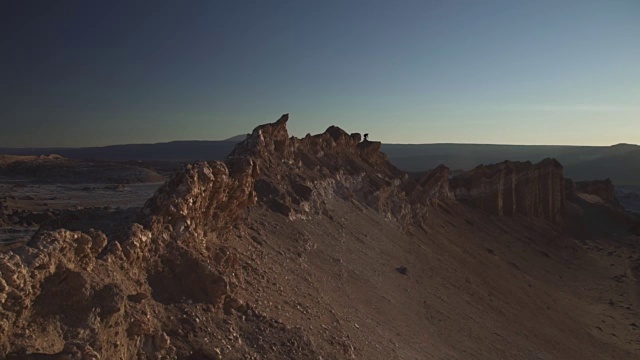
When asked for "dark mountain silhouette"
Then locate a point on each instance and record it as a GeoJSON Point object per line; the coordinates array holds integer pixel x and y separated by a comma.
{"type": "Point", "coordinates": [622, 168]}
{"type": "Point", "coordinates": [181, 151]}
{"type": "Point", "coordinates": [620, 163]}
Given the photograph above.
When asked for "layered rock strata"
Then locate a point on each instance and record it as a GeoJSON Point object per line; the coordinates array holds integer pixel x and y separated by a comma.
{"type": "Point", "coordinates": [510, 188]}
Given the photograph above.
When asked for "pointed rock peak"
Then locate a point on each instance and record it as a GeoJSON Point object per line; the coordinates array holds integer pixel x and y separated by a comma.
{"type": "Point", "coordinates": [274, 131]}
{"type": "Point", "coordinates": [264, 139]}
{"type": "Point", "coordinates": [283, 119]}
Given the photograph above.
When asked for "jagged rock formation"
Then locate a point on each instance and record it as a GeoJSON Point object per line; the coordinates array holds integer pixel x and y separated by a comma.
{"type": "Point", "coordinates": [296, 176]}
{"type": "Point", "coordinates": [511, 188]}
{"type": "Point", "coordinates": [169, 285]}
{"type": "Point", "coordinates": [175, 254]}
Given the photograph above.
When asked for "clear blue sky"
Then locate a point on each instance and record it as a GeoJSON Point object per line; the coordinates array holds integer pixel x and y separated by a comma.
{"type": "Point", "coordinates": [78, 73]}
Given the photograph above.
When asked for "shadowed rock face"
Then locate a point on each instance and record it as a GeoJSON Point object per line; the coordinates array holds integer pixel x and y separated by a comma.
{"type": "Point", "coordinates": [511, 188]}
{"type": "Point", "coordinates": [601, 212]}
{"type": "Point", "coordinates": [601, 188]}
{"type": "Point", "coordinates": [432, 188]}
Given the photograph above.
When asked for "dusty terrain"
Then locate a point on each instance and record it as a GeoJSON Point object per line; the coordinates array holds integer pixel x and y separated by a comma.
{"type": "Point", "coordinates": [319, 248]}
{"type": "Point", "coordinates": [25, 206]}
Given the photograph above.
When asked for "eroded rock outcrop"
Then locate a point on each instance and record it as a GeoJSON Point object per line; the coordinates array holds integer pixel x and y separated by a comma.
{"type": "Point", "coordinates": [511, 188]}
{"type": "Point", "coordinates": [119, 296]}
{"type": "Point", "coordinates": [202, 200]}
{"type": "Point", "coordinates": [295, 176]}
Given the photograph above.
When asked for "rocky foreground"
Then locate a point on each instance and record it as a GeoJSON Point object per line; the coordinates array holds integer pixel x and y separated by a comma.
{"type": "Point", "coordinates": [319, 248]}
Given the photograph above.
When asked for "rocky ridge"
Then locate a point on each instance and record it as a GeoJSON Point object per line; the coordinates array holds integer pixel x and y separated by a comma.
{"type": "Point", "coordinates": [161, 288]}
{"type": "Point", "coordinates": [131, 286]}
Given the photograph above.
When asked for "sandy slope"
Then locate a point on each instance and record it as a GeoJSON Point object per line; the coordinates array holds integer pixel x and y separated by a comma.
{"type": "Point", "coordinates": [477, 286]}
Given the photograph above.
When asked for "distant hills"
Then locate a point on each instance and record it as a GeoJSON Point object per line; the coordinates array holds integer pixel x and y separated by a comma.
{"type": "Point", "coordinates": [619, 162]}
{"type": "Point", "coordinates": [178, 151]}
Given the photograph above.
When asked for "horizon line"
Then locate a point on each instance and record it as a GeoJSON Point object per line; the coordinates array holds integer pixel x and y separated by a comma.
{"type": "Point", "coordinates": [233, 141]}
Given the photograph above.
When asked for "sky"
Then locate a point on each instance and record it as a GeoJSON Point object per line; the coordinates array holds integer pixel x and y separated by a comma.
{"type": "Point", "coordinates": [93, 73]}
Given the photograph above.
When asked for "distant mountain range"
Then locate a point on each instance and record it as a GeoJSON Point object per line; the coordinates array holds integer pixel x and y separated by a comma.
{"type": "Point", "coordinates": [620, 163]}
{"type": "Point", "coordinates": [179, 151]}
